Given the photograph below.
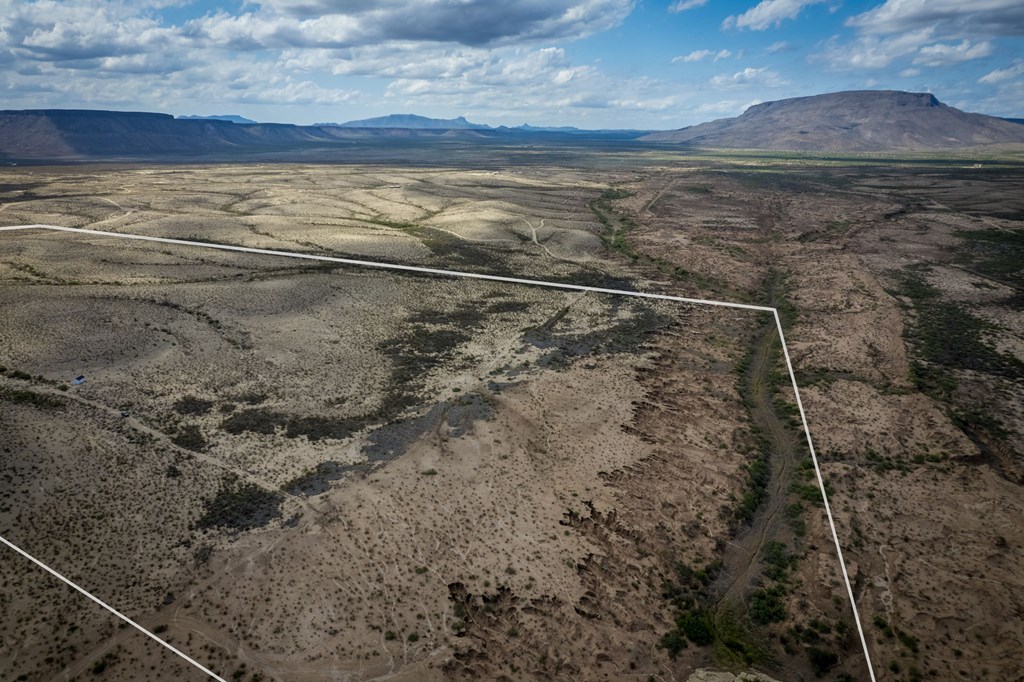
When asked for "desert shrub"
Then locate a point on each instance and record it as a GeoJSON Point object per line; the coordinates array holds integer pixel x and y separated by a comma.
{"type": "Point", "coordinates": [884, 627]}
{"type": "Point", "coordinates": [318, 428]}
{"type": "Point", "coordinates": [907, 640]}
{"type": "Point", "coordinates": [673, 642]}
{"type": "Point", "coordinates": [508, 307]}
{"type": "Point", "coordinates": [997, 253]}
{"type": "Point", "coordinates": [697, 625]}
{"type": "Point", "coordinates": [822, 660]}
{"type": "Point", "coordinates": [258, 420]}
{"type": "Point", "coordinates": [203, 553]}
{"type": "Point", "coordinates": [190, 438]}
{"type": "Point", "coordinates": [315, 481]}
{"type": "Point", "coordinates": [240, 506]}
{"type": "Point", "coordinates": [192, 406]}
{"type": "Point", "coordinates": [25, 397]}
{"type": "Point", "coordinates": [766, 605]}
{"type": "Point", "coordinates": [777, 560]}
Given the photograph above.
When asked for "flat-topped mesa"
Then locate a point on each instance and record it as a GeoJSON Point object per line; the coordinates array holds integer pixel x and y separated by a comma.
{"type": "Point", "coordinates": [70, 114]}
{"type": "Point", "coordinates": [860, 120]}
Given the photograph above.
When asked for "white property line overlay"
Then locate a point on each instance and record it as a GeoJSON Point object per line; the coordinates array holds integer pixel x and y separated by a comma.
{"type": "Point", "coordinates": [114, 611]}
{"type": "Point", "coordinates": [492, 278]}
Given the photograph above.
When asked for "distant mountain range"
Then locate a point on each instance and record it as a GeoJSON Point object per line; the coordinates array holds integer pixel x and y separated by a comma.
{"type": "Point", "coordinates": [865, 120]}
{"type": "Point", "coordinates": [77, 134]}
{"type": "Point", "coordinates": [844, 121]}
{"type": "Point", "coordinates": [411, 122]}
{"type": "Point", "coordinates": [233, 118]}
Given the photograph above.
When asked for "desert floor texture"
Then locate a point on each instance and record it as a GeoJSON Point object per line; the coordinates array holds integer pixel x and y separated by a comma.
{"type": "Point", "coordinates": [302, 471]}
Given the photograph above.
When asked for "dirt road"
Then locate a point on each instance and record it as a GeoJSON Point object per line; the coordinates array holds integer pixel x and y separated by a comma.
{"type": "Point", "coordinates": [742, 555]}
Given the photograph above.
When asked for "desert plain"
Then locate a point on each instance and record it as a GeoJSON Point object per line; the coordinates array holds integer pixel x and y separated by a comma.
{"type": "Point", "coordinates": [299, 470]}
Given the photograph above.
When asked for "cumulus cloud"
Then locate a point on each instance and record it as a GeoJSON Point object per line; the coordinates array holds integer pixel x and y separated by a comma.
{"type": "Point", "coordinates": [683, 5]}
{"type": "Point", "coordinates": [519, 92]}
{"type": "Point", "coordinates": [700, 55]}
{"type": "Point", "coordinates": [325, 23]}
{"type": "Point", "coordinates": [978, 17]}
{"type": "Point", "coordinates": [726, 106]}
{"type": "Point", "coordinates": [762, 76]}
{"type": "Point", "coordinates": [518, 83]}
{"type": "Point", "coordinates": [1014, 71]}
{"type": "Point", "coordinates": [654, 104]}
{"type": "Point", "coordinates": [873, 52]}
{"type": "Point", "coordinates": [930, 33]}
{"type": "Point", "coordinates": [768, 13]}
{"type": "Point", "coordinates": [941, 54]}
{"type": "Point", "coordinates": [76, 31]}
{"type": "Point", "coordinates": [464, 54]}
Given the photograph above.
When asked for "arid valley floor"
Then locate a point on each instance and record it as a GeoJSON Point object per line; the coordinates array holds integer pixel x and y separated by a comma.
{"type": "Point", "coordinates": [304, 471]}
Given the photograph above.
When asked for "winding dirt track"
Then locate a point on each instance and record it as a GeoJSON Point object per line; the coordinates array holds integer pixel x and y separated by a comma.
{"type": "Point", "coordinates": [742, 556]}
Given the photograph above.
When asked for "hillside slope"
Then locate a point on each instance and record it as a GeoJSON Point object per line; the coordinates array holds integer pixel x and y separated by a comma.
{"type": "Point", "coordinates": [54, 133]}
{"type": "Point", "coordinates": [865, 120]}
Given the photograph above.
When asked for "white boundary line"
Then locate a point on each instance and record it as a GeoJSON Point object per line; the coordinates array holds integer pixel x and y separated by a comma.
{"type": "Point", "coordinates": [492, 278]}
{"type": "Point", "coordinates": [117, 613]}
{"type": "Point", "coordinates": [824, 496]}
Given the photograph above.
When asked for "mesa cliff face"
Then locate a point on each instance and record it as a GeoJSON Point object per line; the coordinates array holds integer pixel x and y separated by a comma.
{"type": "Point", "coordinates": [73, 132]}
{"type": "Point", "coordinates": [866, 120]}
{"type": "Point", "coordinates": [82, 134]}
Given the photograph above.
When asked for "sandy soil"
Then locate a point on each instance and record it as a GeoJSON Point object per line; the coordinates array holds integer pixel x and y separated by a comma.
{"type": "Point", "coordinates": [328, 474]}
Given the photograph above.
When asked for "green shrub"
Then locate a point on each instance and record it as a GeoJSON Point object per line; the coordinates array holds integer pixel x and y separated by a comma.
{"type": "Point", "coordinates": [766, 605]}
{"type": "Point", "coordinates": [698, 626]}
{"type": "Point", "coordinates": [822, 660]}
{"type": "Point", "coordinates": [673, 642]}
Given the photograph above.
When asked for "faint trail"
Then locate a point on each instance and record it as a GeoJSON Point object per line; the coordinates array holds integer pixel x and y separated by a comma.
{"type": "Point", "coordinates": [115, 612]}
{"type": "Point", "coordinates": [671, 185]}
{"type": "Point", "coordinates": [742, 556]}
{"type": "Point", "coordinates": [533, 237]}
{"type": "Point", "coordinates": [160, 436]}
{"type": "Point", "coordinates": [471, 239]}
{"type": "Point", "coordinates": [204, 629]}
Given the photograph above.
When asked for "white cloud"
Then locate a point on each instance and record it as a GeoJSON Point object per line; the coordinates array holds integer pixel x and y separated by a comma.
{"type": "Point", "coordinates": [700, 55]}
{"type": "Point", "coordinates": [655, 104]}
{"type": "Point", "coordinates": [329, 23]}
{"type": "Point", "coordinates": [725, 106]}
{"type": "Point", "coordinates": [749, 76]}
{"type": "Point", "coordinates": [779, 47]}
{"type": "Point", "coordinates": [683, 5]}
{"type": "Point", "coordinates": [768, 13]}
{"type": "Point", "coordinates": [872, 52]}
{"type": "Point", "coordinates": [453, 55]}
{"type": "Point", "coordinates": [941, 54]}
{"type": "Point", "coordinates": [78, 30]}
{"type": "Point", "coordinates": [976, 17]}
{"type": "Point", "coordinates": [910, 73]}
{"type": "Point", "coordinates": [1015, 70]}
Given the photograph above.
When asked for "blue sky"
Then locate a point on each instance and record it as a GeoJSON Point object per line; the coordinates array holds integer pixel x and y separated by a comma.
{"type": "Point", "coordinates": [589, 63]}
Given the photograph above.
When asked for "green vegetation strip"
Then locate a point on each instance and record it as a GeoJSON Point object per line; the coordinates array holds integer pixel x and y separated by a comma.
{"type": "Point", "coordinates": [616, 239]}
{"type": "Point", "coordinates": [948, 338]}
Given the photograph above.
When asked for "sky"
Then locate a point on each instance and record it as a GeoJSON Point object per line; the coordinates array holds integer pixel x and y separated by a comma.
{"type": "Point", "coordinates": [586, 63]}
